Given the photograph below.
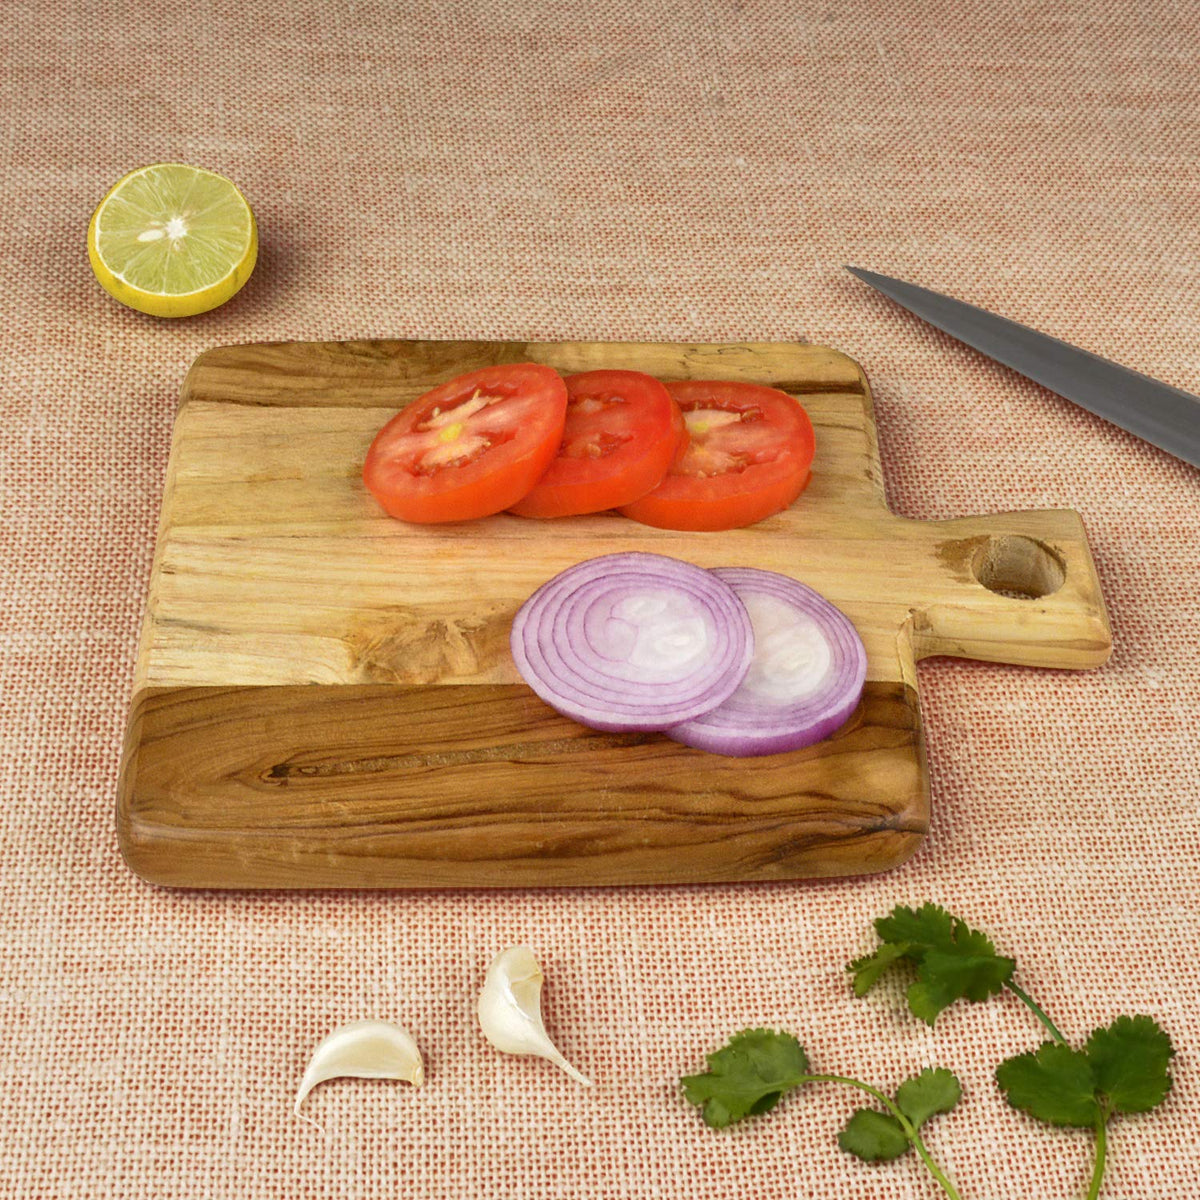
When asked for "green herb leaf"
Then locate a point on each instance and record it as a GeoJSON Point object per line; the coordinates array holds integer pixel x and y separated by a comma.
{"type": "Point", "coordinates": [934, 1090]}
{"type": "Point", "coordinates": [946, 976]}
{"type": "Point", "coordinates": [1129, 1061]}
{"type": "Point", "coordinates": [746, 1076]}
{"type": "Point", "coordinates": [925, 928]}
{"type": "Point", "coordinates": [873, 1136]}
{"type": "Point", "coordinates": [869, 970]}
{"type": "Point", "coordinates": [1055, 1084]}
{"type": "Point", "coordinates": [953, 960]}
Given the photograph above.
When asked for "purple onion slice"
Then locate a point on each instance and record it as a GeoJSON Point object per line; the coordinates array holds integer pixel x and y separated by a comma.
{"type": "Point", "coordinates": [633, 641]}
{"type": "Point", "coordinates": [806, 678]}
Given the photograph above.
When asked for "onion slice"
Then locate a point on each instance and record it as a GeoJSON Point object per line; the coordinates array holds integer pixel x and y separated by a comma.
{"type": "Point", "coordinates": [633, 641]}
{"type": "Point", "coordinates": [806, 678]}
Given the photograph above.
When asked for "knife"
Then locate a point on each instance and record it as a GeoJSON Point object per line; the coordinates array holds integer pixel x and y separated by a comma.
{"type": "Point", "coordinates": [1165, 416]}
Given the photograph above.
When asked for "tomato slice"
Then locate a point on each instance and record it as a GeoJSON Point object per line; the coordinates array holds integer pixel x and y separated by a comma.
{"type": "Point", "coordinates": [748, 457]}
{"type": "Point", "coordinates": [621, 434]}
{"type": "Point", "coordinates": [471, 447]}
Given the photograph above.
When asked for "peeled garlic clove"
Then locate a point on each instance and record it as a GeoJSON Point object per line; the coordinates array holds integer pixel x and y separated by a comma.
{"type": "Point", "coordinates": [510, 1009]}
{"type": "Point", "coordinates": [364, 1050]}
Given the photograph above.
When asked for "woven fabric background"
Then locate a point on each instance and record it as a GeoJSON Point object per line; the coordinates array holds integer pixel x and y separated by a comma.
{"type": "Point", "coordinates": [626, 169]}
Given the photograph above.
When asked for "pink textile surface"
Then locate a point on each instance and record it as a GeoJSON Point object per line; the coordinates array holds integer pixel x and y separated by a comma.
{"type": "Point", "coordinates": [670, 170]}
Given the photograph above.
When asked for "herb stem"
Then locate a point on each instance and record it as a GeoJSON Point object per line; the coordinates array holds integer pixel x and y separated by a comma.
{"type": "Point", "coordinates": [910, 1130]}
{"type": "Point", "coordinates": [1037, 1011]}
{"type": "Point", "coordinates": [1101, 1155]}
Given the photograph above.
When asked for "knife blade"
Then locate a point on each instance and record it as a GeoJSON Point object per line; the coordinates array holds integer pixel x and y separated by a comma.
{"type": "Point", "coordinates": [1165, 416]}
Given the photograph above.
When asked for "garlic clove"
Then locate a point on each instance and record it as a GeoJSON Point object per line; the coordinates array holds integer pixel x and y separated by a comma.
{"type": "Point", "coordinates": [363, 1050]}
{"type": "Point", "coordinates": [510, 1009]}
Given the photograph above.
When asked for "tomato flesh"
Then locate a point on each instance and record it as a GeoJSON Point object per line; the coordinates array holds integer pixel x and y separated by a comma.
{"type": "Point", "coordinates": [469, 448]}
{"type": "Point", "coordinates": [621, 434]}
{"type": "Point", "coordinates": [749, 454]}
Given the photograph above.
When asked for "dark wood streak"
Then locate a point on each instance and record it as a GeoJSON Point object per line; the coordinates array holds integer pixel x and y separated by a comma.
{"type": "Point", "coordinates": [371, 785]}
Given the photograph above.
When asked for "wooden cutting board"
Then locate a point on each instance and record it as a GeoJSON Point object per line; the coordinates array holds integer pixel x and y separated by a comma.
{"type": "Point", "coordinates": [324, 696]}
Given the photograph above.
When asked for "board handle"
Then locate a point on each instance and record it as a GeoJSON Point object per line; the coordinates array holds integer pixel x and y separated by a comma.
{"type": "Point", "coordinates": [1016, 588]}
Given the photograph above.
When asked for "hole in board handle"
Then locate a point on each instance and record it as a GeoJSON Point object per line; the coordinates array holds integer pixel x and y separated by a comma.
{"type": "Point", "coordinates": [1018, 566]}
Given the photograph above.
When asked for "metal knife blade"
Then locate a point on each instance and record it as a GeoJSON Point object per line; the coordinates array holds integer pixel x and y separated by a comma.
{"type": "Point", "coordinates": [1163, 415]}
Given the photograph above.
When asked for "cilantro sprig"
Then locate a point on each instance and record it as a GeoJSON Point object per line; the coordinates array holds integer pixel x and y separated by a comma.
{"type": "Point", "coordinates": [1121, 1068]}
{"type": "Point", "coordinates": [750, 1073]}
{"type": "Point", "coordinates": [953, 961]}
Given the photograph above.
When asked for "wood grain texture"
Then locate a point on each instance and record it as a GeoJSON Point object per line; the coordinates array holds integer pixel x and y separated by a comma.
{"type": "Point", "coordinates": [324, 697]}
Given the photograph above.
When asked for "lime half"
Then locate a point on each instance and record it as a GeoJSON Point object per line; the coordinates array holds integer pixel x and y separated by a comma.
{"type": "Point", "coordinates": [172, 240]}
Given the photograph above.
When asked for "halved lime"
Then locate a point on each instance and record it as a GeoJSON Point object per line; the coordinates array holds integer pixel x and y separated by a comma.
{"type": "Point", "coordinates": [172, 240]}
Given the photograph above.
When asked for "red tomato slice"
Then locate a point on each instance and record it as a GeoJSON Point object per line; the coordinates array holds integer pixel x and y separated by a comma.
{"type": "Point", "coordinates": [622, 432]}
{"type": "Point", "coordinates": [471, 447]}
{"type": "Point", "coordinates": [749, 456]}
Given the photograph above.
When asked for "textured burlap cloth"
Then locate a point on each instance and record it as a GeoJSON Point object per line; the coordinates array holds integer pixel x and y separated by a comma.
{"type": "Point", "coordinates": [673, 170]}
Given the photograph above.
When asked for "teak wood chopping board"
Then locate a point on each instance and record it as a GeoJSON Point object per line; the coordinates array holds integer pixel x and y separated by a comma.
{"type": "Point", "coordinates": [325, 697]}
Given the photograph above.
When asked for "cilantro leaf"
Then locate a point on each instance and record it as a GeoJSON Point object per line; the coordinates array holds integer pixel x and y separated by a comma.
{"type": "Point", "coordinates": [1129, 1060]}
{"type": "Point", "coordinates": [953, 960]}
{"type": "Point", "coordinates": [1122, 1069]}
{"type": "Point", "coordinates": [973, 971]}
{"type": "Point", "coordinates": [869, 970]}
{"type": "Point", "coordinates": [873, 1136]}
{"type": "Point", "coordinates": [927, 927]}
{"type": "Point", "coordinates": [934, 1090]}
{"type": "Point", "coordinates": [1055, 1084]}
{"type": "Point", "coordinates": [746, 1076]}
